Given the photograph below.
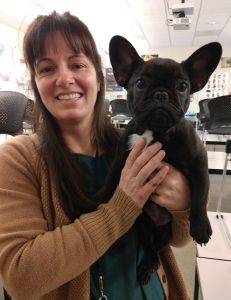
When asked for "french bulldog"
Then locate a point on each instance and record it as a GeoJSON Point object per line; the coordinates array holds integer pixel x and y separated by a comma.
{"type": "Point", "coordinates": [158, 96]}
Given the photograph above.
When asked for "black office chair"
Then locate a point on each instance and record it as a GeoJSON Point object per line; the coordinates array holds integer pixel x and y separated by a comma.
{"type": "Point", "coordinates": [215, 116]}
{"type": "Point", "coordinates": [201, 115]}
{"type": "Point", "coordinates": [12, 112]}
{"type": "Point", "coordinates": [107, 107]}
{"type": "Point", "coordinates": [120, 114]}
{"type": "Point", "coordinates": [217, 120]}
{"type": "Point", "coordinates": [27, 118]}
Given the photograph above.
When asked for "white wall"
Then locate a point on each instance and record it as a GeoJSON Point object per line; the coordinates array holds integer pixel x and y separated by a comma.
{"type": "Point", "coordinates": [13, 73]}
{"type": "Point", "coordinates": [10, 35]}
{"type": "Point", "coordinates": [10, 64]}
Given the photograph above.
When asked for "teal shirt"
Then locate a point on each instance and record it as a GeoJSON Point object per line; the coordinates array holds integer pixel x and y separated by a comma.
{"type": "Point", "coordinates": [119, 271]}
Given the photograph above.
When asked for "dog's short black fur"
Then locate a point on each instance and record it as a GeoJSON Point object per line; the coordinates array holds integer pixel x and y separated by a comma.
{"type": "Point", "coordinates": [158, 97]}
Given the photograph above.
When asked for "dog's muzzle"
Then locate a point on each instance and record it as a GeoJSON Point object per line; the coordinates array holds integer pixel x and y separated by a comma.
{"type": "Point", "coordinates": [161, 96]}
{"type": "Point", "coordinates": [164, 99]}
{"type": "Point", "coordinates": [159, 110]}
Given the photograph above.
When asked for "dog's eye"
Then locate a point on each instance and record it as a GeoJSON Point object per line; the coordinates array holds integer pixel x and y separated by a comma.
{"type": "Point", "coordinates": [182, 86]}
{"type": "Point", "coordinates": [140, 84]}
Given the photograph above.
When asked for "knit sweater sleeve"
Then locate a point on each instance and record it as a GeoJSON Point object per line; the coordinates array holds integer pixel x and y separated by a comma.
{"type": "Point", "coordinates": [35, 260]}
{"type": "Point", "coordinates": [180, 228]}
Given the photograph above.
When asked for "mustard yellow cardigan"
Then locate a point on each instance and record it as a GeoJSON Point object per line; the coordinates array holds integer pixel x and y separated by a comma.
{"type": "Point", "coordinates": [45, 256]}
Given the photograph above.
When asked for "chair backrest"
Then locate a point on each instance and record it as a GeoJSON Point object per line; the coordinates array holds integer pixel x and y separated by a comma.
{"type": "Point", "coordinates": [218, 114]}
{"type": "Point", "coordinates": [12, 110]}
{"type": "Point", "coordinates": [203, 110]}
{"type": "Point", "coordinates": [220, 110]}
{"type": "Point", "coordinates": [119, 107]}
{"type": "Point", "coordinates": [27, 118]}
{"type": "Point", "coordinates": [107, 106]}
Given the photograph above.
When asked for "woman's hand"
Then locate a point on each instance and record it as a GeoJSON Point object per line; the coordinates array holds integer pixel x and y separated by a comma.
{"type": "Point", "coordinates": [136, 180]}
{"type": "Point", "coordinates": [173, 192]}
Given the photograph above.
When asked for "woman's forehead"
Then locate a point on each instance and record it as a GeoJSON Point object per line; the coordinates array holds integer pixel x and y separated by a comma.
{"type": "Point", "coordinates": [55, 42]}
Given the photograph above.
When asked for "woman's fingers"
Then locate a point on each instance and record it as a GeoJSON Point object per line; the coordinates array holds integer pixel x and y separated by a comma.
{"type": "Point", "coordinates": [173, 192]}
{"type": "Point", "coordinates": [143, 190]}
{"type": "Point", "coordinates": [159, 177]}
{"type": "Point", "coordinates": [136, 151]}
{"type": "Point", "coordinates": [152, 164]}
{"type": "Point", "coordinates": [139, 157]}
{"type": "Point", "coordinates": [137, 179]}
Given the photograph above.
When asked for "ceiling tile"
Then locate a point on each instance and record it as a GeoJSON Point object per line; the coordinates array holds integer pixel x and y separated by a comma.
{"type": "Point", "coordinates": [142, 22]}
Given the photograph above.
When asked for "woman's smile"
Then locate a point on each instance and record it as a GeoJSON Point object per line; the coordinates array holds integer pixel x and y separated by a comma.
{"type": "Point", "coordinates": [72, 96]}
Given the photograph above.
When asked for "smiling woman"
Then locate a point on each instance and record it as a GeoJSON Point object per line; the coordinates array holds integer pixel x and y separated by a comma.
{"type": "Point", "coordinates": [54, 239]}
{"type": "Point", "coordinates": [68, 85]}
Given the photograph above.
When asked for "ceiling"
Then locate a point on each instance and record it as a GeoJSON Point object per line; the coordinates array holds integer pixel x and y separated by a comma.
{"type": "Point", "coordinates": [142, 22]}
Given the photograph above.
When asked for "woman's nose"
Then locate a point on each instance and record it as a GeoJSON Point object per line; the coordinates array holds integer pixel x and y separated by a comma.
{"type": "Point", "coordinates": [65, 77]}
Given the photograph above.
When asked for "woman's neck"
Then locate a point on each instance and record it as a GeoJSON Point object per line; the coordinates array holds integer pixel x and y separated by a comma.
{"type": "Point", "coordinates": [78, 138]}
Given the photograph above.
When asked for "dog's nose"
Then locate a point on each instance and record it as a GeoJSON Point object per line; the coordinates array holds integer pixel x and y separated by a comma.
{"type": "Point", "coordinates": [161, 96]}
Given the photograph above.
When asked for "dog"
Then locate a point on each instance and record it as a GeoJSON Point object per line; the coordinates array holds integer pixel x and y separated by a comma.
{"type": "Point", "coordinates": [158, 96]}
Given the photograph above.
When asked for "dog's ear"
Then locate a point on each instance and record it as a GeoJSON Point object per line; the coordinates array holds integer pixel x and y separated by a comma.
{"type": "Point", "coordinates": [124, 59]}
{"type": "Point", "coordinates": [201, 64]}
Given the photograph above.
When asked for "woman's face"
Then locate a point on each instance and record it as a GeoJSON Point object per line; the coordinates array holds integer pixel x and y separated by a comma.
{"type": "Point", "coordinates": [67, 83]}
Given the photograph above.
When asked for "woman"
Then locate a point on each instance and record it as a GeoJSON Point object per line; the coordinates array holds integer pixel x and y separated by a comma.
{"type": "Point", "coordinates": [53, 245]}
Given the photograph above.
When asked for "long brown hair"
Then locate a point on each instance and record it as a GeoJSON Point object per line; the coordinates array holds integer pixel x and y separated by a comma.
{"type": "Point", "coordinates": [52, 145]}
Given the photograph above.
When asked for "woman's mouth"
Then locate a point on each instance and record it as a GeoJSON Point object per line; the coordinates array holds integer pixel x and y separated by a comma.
{"type": "Point", "coordinates": [73, 96]}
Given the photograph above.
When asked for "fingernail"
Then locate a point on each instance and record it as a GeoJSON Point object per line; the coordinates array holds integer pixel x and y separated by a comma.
{"type": "Point", "coordinates": [140, 141]}
{"type": "Point", "coordinates": [162, 152]}
{"type": "Point", "coordinates": [157, 144]}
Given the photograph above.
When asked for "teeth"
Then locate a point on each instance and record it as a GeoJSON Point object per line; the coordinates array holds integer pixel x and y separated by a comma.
{"type": "Point", "coordinates": [69, 96]}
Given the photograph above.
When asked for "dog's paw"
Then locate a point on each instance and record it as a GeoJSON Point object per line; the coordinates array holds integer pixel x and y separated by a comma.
{"type": "Point", "coordinates": [200, 230]}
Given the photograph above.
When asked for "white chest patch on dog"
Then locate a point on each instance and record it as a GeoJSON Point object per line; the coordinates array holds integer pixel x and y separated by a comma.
{"type": "Point", "coordinates": [133, 138]}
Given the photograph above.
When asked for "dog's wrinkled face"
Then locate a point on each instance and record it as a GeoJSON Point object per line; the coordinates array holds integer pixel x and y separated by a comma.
{"type": "Point", "coordinates": [158, 93]}
{"type": "Point", "coordinates": [159, 90]}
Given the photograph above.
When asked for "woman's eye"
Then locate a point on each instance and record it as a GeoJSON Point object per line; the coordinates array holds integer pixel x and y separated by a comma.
{"type": "Point", "coordinates": [78, 66]}
{"type": "Point", "coordinates": [182, 86]}
{"type": "Point", "coordinates": [45, 70]}
{"type": "Point", "coordinates": [140, 84]}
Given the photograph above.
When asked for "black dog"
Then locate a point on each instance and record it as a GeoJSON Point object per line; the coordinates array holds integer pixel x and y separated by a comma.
{"type": "Point", "coordinates": [158, 98]}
